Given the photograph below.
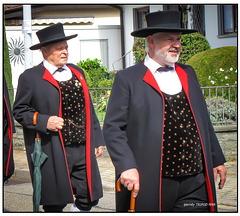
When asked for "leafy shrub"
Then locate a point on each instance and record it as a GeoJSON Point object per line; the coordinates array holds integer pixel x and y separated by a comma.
{"type": "Point", "coordinates": [216, 67]}
{"type": "Point", "coordinates": [191, 45]}
{"type": "Point", "coordinates": [106, 83]}
{"type": "Point", "coordinates": [7, 67]}
{"type": "Point", "coordinates": [97, 77]}
{"type": "Point", "coordinates": [87, 78]}
{"type": "Point", "coordinates": [138, 49]}
{"type": "Point", "coordinates": [224, 77]}
{"type": "Point", "coordinates": [103, 101]}
{"type": "Point", "coordinates": [223, 111]}
{"type": "Point", "coordinates": [95, 72]}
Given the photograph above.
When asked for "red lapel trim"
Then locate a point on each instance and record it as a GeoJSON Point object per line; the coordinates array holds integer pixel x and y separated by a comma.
{"type": "Point", "coordinates": [88, 125]}
{"type": "Point", "coordinates": [183, 78]}
{"type": "Point", "coordinates": [149, 78]}
{"type": "Point", "coordinates": [48, 77]}
{"type": "Point", "coordinates": [9, 134]}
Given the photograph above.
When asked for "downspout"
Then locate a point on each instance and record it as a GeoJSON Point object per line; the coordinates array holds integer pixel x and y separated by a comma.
{"type": "Point", "coordinates": [27, 31]}
{"type": "Point", "coordinates": [122, 34]}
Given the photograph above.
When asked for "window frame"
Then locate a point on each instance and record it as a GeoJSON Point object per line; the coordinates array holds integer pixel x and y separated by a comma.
{"type": "Point", "coordinates": [136, 16]}
{"type": "Point", "coordinates": [221, 30]}
{"type": "Point", "coordinates": [105, 62]}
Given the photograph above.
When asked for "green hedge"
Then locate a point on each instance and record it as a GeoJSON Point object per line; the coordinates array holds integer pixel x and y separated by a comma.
{"type": "Point", "coordinates": [191, 45]}
{"type": "Point", "coordinates": [216, 67]}
{"type": "Point", "coordinates": [7, 66]}
{"type": "Point", "coordinates": [138, 49]}
{"type": "Point", "coordinates": [94, 71]}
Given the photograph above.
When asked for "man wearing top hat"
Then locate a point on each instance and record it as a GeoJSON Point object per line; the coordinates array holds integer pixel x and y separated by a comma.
{"type": "Point", "coordinates": [157, 129]}
{"type": "Point", "coordinates": [70, 133]}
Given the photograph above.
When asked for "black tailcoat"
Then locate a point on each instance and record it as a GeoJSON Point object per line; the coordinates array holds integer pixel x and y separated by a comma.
{"type": "Point", "coordinates": [8, 130]}
{"type": "Point", "coordinates": [133, 132]}
{"type": "Point", "coordinates": [39, 92]}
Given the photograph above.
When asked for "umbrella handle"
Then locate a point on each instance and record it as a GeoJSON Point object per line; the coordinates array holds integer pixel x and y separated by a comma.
{"type": "Point", "coordinates": [35, 122]}
{"type": "Point", "coordinates": [132, 202]}
{"type": "Point", "coordinates": [35, 118]}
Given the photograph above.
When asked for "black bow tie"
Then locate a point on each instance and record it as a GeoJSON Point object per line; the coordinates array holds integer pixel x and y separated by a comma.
{"type": "Point", "coordinates": [60, 69]}
{"type": "Point", "coordinates": [165, 69]}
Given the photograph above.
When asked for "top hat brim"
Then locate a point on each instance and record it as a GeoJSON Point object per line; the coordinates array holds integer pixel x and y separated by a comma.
{"type": "Point", "coordinates": [39, 45]}
{"type": "Point", "coordinates": [151, 30]}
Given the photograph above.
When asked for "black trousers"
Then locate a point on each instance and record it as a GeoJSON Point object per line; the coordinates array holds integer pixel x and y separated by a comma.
{"type": "Point", "coordinates": [184, 194]}
{"type": "Point", "coordinates": [76, 153]}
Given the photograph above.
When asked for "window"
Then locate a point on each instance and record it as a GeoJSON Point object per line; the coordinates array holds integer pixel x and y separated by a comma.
{"type": "Point", "coordinates": [139, 17]}
{"type": "Point", "coordinates": [227, 19]}
{"type": "Point", "coordinates": [97, 48]}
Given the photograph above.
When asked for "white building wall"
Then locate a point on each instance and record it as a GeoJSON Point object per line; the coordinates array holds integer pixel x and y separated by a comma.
{"type": "Point", "coordinates": [154, 8]}
{"type": "Point", "coordinates": [211, 26]}
{"type": "Point", "coordinates": [15, 37]}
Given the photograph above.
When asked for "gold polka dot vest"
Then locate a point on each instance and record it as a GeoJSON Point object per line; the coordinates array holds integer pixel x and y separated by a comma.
{"type": "Point", "coordinates": [182, 153]}
{"type": "Point", "coordinates": [73, 109]}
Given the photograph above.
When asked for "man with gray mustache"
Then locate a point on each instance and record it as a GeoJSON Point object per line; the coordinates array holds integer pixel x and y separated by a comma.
{"type": "Point", "coordinates": [157, 129]}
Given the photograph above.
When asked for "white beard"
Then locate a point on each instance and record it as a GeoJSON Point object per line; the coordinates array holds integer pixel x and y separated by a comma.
{"type": "Point", "coordinates": [167, 57]}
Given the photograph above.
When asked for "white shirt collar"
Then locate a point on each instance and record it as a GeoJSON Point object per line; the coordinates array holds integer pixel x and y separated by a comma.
{"type": "Point", "coordinates": [50, 67]}
{"type": "Point", "coordinates": [168, 82]}
{"type": "Point", "coordinates": [59, 76]}
{"type": "Point", "coordinates": [153, 65]}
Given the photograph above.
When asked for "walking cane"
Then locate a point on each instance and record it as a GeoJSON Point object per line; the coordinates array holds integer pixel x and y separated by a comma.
{"type": "Point", "coordinates": [132, 202]}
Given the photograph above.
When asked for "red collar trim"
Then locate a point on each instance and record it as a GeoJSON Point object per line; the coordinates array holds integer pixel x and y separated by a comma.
{"type": "Point", "coordinates": [183, 78]}
{"type": "Point", "coordinates": [149, 78]}
{"type": "Point", "coordinates": [88, 125]}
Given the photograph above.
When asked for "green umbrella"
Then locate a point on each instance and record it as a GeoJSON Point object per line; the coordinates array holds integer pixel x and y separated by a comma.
{"type": "Point", "coordinates": [38, 158]}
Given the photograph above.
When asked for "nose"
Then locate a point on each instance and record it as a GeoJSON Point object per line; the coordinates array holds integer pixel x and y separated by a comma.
{"type": "Point", "coordinates": [65, 51]}
{"type": "Point", "coordinates": [177, 44]}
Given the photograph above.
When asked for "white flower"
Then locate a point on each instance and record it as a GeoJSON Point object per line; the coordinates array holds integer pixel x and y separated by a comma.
{"type": "Point", "coordinates": [209, 77]}
{"type": "Point", "coordinates": [236, 71]}
{"type": "Point", "coordinates": [221, 69]}
{"type": "Point", "coordinates": [212, 81]}
{"type": "Point", "coordinates": [226, 77]}
{"type": "Point", "coordinates": [231, 69]}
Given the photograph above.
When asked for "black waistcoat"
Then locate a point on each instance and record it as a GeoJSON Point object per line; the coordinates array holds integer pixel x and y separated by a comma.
{"type": "Point", "coordinates": [74, 112]}
{"type": "Point", "coordinates": [182, 153]}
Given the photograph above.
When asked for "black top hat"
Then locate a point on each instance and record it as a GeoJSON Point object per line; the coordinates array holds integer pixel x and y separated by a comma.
{"type": "Point", "coordinates": [51, 34]}
{"type": "Point", "coordinates": [162, 21]}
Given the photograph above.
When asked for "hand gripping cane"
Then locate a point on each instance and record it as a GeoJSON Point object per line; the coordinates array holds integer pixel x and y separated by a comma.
{"type": "Point", "coordinates": [132, 202]}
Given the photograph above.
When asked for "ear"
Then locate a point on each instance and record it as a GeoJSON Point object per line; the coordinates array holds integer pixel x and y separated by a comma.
{"type": "Point", "coordinates": [44, 49]}
{"type": "Point", "coordinates": [150, 41]}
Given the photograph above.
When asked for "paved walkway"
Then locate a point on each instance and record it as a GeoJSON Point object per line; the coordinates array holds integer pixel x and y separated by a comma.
{"type": "Point", "coordinates": [227, 197]}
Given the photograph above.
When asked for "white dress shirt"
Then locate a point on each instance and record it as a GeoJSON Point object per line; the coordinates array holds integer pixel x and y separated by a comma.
{"type": "Point", "coordinates": [64, 75]}
{"type": "Point", "coordinates": [169, 81]}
